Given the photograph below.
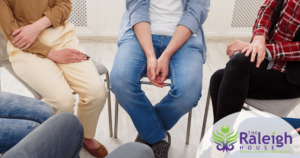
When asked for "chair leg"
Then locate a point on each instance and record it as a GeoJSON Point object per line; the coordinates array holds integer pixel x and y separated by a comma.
{"type": "Point", "coordinates": [116, 118]}
{"type": "Point", "coordinates": [109, 105]}
{"type": "Point", "coordinates": [205, 116]}
{"type": "Point", "coordinates": [188, 128]}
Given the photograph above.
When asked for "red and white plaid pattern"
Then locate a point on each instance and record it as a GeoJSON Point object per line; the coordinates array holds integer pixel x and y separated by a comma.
{"type": "Point", "coordinates": [279, 40]}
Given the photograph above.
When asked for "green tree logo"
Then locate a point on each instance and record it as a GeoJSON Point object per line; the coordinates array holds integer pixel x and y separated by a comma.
{"type": "Point", "coordinates": [225, 142]}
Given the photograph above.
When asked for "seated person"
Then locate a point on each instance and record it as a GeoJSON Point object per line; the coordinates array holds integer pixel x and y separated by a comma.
{"type": "Point", "coordinates": [173, 47]}
{"type": "Point", "coordinates": [18, 117]}
{"type": "Point", "coordinates": [60, 136]}
{"type": "Point", "coordinates": [259, 70]}
{"type": "Point", "coordinates": [45, 54]}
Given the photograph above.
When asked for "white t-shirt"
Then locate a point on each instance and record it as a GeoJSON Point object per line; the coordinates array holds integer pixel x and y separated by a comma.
{"type": "Point", "coordinates": [164, 16]}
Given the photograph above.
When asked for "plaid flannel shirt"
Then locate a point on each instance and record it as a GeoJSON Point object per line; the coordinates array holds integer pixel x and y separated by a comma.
{"type": "Point", "coordinates": [279, 43]}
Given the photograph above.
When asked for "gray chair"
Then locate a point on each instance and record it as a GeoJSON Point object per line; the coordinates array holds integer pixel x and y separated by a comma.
{"type": "Point", "coordinates": [149, 83]}
{"type": "Point", "coordinates": [280, 108]}
{"type": "Point", "coordinates": [4, 62]}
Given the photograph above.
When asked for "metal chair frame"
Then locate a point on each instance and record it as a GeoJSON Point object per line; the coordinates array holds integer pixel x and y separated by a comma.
{"type": "Point", "coordinates": [149, 83]}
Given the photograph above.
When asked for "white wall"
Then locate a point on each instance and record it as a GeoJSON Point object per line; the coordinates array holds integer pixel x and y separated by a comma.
{"type": "Point", "coordinates": [104, 16]}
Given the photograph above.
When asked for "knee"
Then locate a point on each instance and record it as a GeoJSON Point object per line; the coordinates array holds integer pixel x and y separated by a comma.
{"type": "Point", "coordinates": [189, 92]}
{"type": "Point", "coordinates": [238, 62]}
{"type": "Point", "coordinates": [63, 102]}
{"type": "Point", "coordinates": [121, 81]}
{"type": "Point", "coordinates": [45, 111]}
{"type": "Point", "coordinates": [216, 78]}
{"type": "Point", "coordinates": [94, 93]}
{"type": "Point", "coordinates": [69, 121]}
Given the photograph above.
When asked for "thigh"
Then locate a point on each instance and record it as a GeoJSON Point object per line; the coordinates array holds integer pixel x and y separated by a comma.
{"type": "Point", "coordinates": [41, 74]}
{"type": "Point", "coordinates": [272, 84]}
{"type": "Point", "coordinates": [186, 66]}
{"type": "Point", "coordinates": [20, 107]}
{"type": "Point", "coordinates": [14, 130]}
{"type": "Point", "coordinates": [130, 63]}
{"type": "Point", "coordinates": [51, 139]}
{"type": "Point", "coordinates": [83, 78]}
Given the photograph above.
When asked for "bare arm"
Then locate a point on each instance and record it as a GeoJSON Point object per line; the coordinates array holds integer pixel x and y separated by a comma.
{"type": "Point", "coordinates": [143, 34]}
{"type": "Point", "coordinates": [181, 35]}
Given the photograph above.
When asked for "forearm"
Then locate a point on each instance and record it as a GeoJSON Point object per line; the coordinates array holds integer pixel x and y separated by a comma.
{"type": "Point", "coordinates": [42, 23]}
{"type": "Point", "coordinates": [143, 33]}
{"type": "Point", "coordinates": [181, 35]}
{"type": "Point", "coordinates": [263, 21]}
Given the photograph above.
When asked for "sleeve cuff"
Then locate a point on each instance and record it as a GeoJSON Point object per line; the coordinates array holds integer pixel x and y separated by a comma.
{"type": "Point", "coordinates": [260, 31]}
{"type": "Point", "coordinates": [54, 21]}
{"type": "Point", "coordinates": [269, 57]}
{"type": "Point", "coordinates": [271, 50]}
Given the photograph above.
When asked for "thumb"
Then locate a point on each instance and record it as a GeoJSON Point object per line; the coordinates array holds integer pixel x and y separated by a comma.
{"type": "Point", "coordinates": [17, 31]}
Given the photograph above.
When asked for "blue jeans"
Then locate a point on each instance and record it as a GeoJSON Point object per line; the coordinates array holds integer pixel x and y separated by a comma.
{"type": "Point", "coordinates": [294, 122]}
{"type": "Point", "coordinates": [61, 136]}
{"type": "Point", "coordinates": [185, 72]}
{"type": "Point", "coordinates": [19, 116]}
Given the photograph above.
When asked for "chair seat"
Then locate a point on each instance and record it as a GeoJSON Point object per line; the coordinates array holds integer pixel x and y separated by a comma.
{"type": "Point", "coordinates": [279, 108]}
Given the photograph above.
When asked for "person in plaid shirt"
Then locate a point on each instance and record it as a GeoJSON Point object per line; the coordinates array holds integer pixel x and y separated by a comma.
{"type": "Point", "coordinates": [258, 70]}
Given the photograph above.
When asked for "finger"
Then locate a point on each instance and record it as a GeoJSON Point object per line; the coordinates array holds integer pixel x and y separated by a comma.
{"type": "Point", "coordinates": [22, 45]}
{"type": "Point", "coordinates": [244, 50]}
{"type": "Point", "coordinates": [248, 51]}
{"type": "Point", "coordinates": [18, 43]}
{"type": "Point", "coordinates": [75, 61]}
{"type": "Point", "coordinates": [157, 70]}
{"type": "Point", "coordinates": [156, 83]}
{"type": "Point", "coordinates": [77, 57]}
{"type": "Point", "coordinates": [77, 52]}
{"type": "Point", "coordinates": [259, 58]}
{"type": "Point", "coordinates": [164, 77]}
{"type": "Point", "coordinates": [253, 55]}
{"type": "Point", "coordinates": [27, 46]}
{"type": "Point", "coordinates": [17, 31]}
{"type": "Point", "coordinates": [152, 73]}
{"type": "Point", "coordinates": [16, 40]}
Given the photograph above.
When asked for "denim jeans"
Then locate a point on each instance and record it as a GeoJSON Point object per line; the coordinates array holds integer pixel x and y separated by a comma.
{"type": "Point", "coordinates": [61, 136]}
{"type": "Point", "coordinates": [294, 122]}
{"type": "Point", "coordinates": [185, 72]}
{"type": "Point", "coordinates": [19, 116]}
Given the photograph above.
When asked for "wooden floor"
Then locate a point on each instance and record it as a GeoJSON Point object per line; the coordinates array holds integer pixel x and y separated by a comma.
{"type": "Point", "coordinates": [104, 52]}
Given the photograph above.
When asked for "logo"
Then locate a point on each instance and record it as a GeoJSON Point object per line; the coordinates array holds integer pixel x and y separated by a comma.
{"type": "Point", "coordinates": [225, 142]}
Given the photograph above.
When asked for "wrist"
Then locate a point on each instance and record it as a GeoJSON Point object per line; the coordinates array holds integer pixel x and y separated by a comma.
{"type": "Point", "coordinates": [51, 53]}
{"type": "Point", "coordinates": [165, 55]}
{"type": "Point", "coordinates": [37, 26]}
{"type": "Point", "coordinates": [259, 37]}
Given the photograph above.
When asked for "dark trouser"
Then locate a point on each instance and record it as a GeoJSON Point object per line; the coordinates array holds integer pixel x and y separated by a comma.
{"type": "Point", "coordinates": [241, 79]}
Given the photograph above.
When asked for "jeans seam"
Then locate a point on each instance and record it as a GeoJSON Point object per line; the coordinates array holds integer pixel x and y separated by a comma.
{"type": "Point", "coordinates": [27, 117]}
{"type": "Point", "coordinates": [172, 69]}
{"type": "Point", "coordinates": [160, 129]}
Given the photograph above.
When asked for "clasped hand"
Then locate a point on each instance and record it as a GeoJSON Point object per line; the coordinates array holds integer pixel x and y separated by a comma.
{"type": "Point", "coordinates": [158, 70]}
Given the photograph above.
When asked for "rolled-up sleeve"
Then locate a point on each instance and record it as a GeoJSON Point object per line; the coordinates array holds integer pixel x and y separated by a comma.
{"type": "Point", "coordinates": [59, 13]}
{"type": "Point", "coordinates": [138, 11]}
{"type": "Point", "coordinates": [195, 14]}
